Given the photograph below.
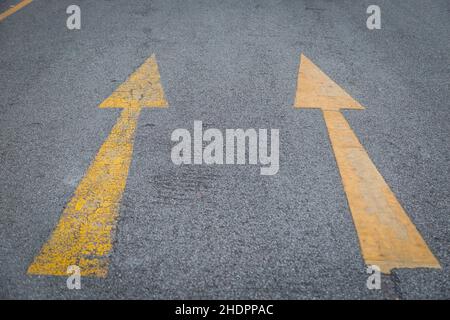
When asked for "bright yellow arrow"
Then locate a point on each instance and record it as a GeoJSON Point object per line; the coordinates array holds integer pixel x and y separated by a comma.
{"type": "Point", "coordinates": [83, 235]}
{"type": "Point", "coordinates": [387, 236]}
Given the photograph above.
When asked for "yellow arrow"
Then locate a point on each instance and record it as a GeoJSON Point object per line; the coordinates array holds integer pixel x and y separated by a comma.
{"type": "Point", "coordinates": [387, 236]}
{"type": "Point", "coordinates": [83, 235]}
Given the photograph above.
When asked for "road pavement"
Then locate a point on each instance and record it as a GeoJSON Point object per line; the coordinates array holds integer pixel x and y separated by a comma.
{"type": "Point", "coordinates": [224, 231]}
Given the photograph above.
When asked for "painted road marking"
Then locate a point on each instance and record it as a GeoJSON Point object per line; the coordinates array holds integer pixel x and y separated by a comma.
{"type": "Point", "coordinates": [84, 233]}
{"type": "Point", "coordinates": [14, 9]}
{"type": "Point", "coordinates": [387, 236]}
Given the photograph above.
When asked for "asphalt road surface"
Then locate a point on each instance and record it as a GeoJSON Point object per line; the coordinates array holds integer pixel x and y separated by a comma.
{"type": "Point", "coordinates": [224, 231]}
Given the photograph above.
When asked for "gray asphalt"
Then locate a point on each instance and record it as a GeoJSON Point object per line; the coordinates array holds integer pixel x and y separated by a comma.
{"type": "Point", "coordinates": [224, 231]}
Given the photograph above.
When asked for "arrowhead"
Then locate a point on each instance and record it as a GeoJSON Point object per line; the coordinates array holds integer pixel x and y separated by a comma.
{"type": "Point", "coordinates": [316, 90]}
{"type": "Point", "coordinates": [142, 88]}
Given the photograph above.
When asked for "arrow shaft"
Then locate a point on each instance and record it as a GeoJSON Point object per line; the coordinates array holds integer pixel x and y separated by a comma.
{"type": "Point", "coordinates": [387, 236]}
{"type": "Point", "coordinates": [83, 235]}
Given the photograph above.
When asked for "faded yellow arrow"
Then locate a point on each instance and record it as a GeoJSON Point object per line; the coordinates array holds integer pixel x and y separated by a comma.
{"type": "Point", "coordinates": [387, 236]}
{"type": "Point", "coordinates": [83, 235]}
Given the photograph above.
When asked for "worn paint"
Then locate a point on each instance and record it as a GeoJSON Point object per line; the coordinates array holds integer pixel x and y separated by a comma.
{"type": "Point", "coordinates": [387, 236]}
{"type": "Point", "coordinates": [84, 233]}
